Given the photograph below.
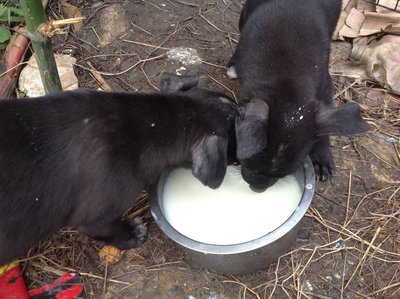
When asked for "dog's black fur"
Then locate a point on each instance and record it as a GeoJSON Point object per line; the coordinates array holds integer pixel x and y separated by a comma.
{"type": "Point", "coordinates": [80, 158]}
{"type": "Point", "coordinates": [286, 108]}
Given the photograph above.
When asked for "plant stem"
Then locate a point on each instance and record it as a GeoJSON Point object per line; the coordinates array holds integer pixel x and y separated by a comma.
{"type": "Point", "coordinates": [34, 17]}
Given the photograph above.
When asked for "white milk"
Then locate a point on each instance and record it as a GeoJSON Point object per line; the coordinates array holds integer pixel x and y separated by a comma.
{"type": "Point", "coordinates": [231, 214]}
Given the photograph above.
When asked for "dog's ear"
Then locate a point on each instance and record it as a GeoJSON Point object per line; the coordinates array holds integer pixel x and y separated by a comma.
{"type": "Point", "coordinates": [343, 120]}
{"type": "Point", "coordinates": [251, 128]}
{"type": "Point", "coordinates": [209, 160]}
{"type": "Point", "coordinates": [170, 83]}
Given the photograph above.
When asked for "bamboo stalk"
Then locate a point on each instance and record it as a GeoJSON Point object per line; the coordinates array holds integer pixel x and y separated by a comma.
{"type": "Point", "coordinates": [43, 51]}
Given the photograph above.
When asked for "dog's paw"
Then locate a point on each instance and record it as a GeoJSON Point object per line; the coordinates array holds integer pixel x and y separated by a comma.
{"type": "Point", "coordinates": [231, 72]}
{"type": "Point", "coordinates": [139, 229]}
{"type": "Point", "coordinates": [137, 233]}
{"type": "Point", "coordinates": [323, 165]}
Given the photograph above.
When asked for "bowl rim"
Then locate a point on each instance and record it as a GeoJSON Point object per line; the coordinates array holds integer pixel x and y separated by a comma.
{"type": "Point", "coordinates": [283, 229]}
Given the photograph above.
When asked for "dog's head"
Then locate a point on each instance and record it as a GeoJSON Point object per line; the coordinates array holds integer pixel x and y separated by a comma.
{"type": "Point", "coordinates": [218, 111]}
{"type": "Point", "coordinates": [273, 145]}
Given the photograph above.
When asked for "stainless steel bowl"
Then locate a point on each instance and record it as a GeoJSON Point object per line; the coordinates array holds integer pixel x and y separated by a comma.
{"type": "Point", "coordinates": [244, 257]}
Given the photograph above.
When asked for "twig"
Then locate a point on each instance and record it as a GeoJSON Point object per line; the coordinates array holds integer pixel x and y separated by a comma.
{"type": "Point", "coordinates": [210, 23]}
{"type": "Point", "coordinates": [103, 83]}
{"type": "Point", "coordinates": [244, 286]}
{"type": "Point", "coordinates": [393, 194]}
{"type": "Point", "coordinates": [348, 200]}
{"type": "Point", "coordinates": [345, 89]}
{"type": "Point", "coordinates": [186, 3]}
{"type": "Point", "coordinates": [126, 70]}
{"type": "Point", "coordinates": [214, 65]}
{"type": "Point", "coordinates": [343, 276]}
{"type": "Point", "coordinates": [363, 257]}
{"type": "Point", "coordinates": [148, 2]}
{"type": "Point", "coordinates": [385, 288]}
{"type": "Point", "coordinates": [379, 158]}
{"type": "Point", "coordinates": [148, 80]}
{"type": "Point", "coordinates": [219, 83]}
{"type": "Point", "coordinates": [14, 67]}
{"type": "Point", "coordinates": [145, 44]}
{"type": "Point", "coordinates": [144, 30]}
{"type": "Point", "coordinates": [105, 278]}
{"type": "Point", "coordinates": [350, 234]}
{"type": "Point", "coordinates": [108, 55]}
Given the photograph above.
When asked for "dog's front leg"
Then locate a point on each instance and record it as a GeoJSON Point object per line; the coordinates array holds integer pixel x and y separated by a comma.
{"type": "Point", "coordinates": [322, 159]}
{"type": "Point", "coordinates": [123, 234]}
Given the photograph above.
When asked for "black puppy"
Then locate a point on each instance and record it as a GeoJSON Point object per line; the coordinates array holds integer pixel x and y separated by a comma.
{"type": "Point", "coordinates": [80, 158]}
{"type": "Point", "coordinates": [286, 92]}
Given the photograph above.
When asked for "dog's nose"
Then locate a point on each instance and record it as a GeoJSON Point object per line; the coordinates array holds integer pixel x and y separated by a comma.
{"type": "Point", "coordinates": [258, 190]}
{"type": "Point", "coordinates": [265, 186]}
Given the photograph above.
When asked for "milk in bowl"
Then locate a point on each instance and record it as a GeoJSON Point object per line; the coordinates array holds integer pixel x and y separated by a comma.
{"type": "Point", "coordinates": [231, 214]}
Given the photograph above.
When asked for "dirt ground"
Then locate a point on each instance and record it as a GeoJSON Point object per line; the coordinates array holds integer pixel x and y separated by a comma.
{"type": "Point", "coordinates": [349, 242]}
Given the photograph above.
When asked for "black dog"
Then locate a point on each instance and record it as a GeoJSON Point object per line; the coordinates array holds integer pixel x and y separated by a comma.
{"type": "Point", "coordinates": [81, 158]}
{"type": "Point", "coordinates": [286, 91]}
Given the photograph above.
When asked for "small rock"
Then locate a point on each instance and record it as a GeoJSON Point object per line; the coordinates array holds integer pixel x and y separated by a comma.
{"type": "Point", "coordinates": [113, 22]}
{"type": "Point", "coordinates": [31, 83]}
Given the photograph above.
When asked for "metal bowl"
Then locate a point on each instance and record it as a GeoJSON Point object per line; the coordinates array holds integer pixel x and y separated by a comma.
{"type": "Point", "coordinates": [244, 257]}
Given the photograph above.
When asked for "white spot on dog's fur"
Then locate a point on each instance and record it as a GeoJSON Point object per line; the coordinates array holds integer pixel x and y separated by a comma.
{"type": "Point", "coordinates": [231, 72]}
{"type": "Point", "coordinates": [224, 100]}
{"type": "Point", "coordinates": [281, 148]}
{"type": "Point", "coordinates": [301, 117]}
{"type": "Point", "coordinates": [273, 162]}
{"type": "Point", "coordinates": [86, 120]}
{"type": "Point", "coordinates": [153, 125]}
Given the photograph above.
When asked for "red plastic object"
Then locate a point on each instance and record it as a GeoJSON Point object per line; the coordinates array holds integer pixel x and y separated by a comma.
{"type": "Point", "coordinates": [9, 67]}
{"type": "Point", "coordinates": [68, 286]}
{"type": "Point", "coordinates": [12, 284]}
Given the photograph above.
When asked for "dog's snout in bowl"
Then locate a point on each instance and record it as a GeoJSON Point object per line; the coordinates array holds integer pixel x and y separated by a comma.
{"type": "Point", "coordinates": [257, 182]}
{"type": "Point", "coordinates": [226, 245]}
{"type": "Point", "coordinates": [263, 187]}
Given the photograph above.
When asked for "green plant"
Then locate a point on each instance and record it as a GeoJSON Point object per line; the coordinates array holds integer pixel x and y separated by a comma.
{"type": "Point", "coordinates": [34, 17]}
{"type": "Point", "coordinates": [8, 15]}
{"type": "Point", "coordinates": [23, 93]}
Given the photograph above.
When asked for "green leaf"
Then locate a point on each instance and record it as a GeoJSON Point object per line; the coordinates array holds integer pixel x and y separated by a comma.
{"type": "Point", "coordinates": [11, 19]}
{"type": "Point", "coordinates": [5, 34]}
{"type": "Point", "coordinates": [11, 14]}
{"type": "Point", "coordinates": [3, 46]}
{"type": "Point", "coordinates": [16, 11]}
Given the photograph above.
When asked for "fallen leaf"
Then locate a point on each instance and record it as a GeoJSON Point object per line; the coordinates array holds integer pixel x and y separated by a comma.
{"type": "Point", "coordinates": [374, 97]}
{"type": "Point", "coordinates": [378, 22]}
{"type": "Point", "coordinates": [350, 69]}
{"type": "Point", "coordinates": [355, 19]}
